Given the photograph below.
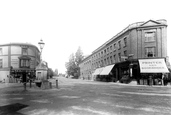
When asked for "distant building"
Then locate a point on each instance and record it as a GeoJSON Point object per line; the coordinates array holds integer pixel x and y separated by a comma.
{"type": "Point", "coordinates": [121, 54]}
{"type": "Point", "coordinates": [16, 58]}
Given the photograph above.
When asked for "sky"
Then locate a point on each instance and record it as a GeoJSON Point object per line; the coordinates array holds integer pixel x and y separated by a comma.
{"type": "Point", "coordinates": [64, 25]}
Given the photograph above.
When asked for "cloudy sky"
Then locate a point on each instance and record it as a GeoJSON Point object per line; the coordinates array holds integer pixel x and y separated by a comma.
{"type": "Point", "coordinates": [64, 25]}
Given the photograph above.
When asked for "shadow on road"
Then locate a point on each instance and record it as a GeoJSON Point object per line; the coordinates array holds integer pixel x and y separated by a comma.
{"type": "Point", "coordinates": [12, 109]}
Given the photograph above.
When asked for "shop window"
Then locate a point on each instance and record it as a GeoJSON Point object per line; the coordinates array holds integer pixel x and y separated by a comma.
{"type": "Point", "coordinates": [1, 63]}
{"type": "Point", "coordinates": [150, 52]}
{"type": "Point", "coordinates": [149, 36]}
{"type": "Point", "coordinates": [24, 63]}
{"type": "Point", "coordinates": [119, 45]}
{"type": "Point", "coordinates": [24, 51]}
{"type": "Point", "coordinates": [1, 51]}
{"type": "Point", "coordinates": [125, 42]}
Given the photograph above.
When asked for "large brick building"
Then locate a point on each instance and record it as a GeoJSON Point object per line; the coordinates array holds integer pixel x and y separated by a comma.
{"type": "Point", "coordinates": [141, 40]}
{"type": "Point", "coordinates": [16, 58]}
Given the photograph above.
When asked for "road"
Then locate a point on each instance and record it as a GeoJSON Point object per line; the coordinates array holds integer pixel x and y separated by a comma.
{"type": "Point", "coordinates": [80, 97]}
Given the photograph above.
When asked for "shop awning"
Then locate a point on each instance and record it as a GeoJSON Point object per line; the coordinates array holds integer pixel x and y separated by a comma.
{"type": "Point", "coordinates": [107, 70]}
{"type": "Point", "coordinates": [98, 71]}
{"type": "Point", "coordinates": [153, 66]}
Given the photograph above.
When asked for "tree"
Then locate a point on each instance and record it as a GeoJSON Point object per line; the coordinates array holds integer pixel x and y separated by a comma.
{"type": "Point", "coordinates": [72, 65]}
{"type": "Point", "coordinates": [56, 72]}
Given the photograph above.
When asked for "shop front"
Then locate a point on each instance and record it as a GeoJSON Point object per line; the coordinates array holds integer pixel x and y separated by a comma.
{"type": "Point", "coordinates": [106, 74]}
{"type": "Point", "coordinates": [152, 71]}
{"type": "Point", "coordinates": [21, 75]}
{"type": "Point", "coordinates": [96, 74]}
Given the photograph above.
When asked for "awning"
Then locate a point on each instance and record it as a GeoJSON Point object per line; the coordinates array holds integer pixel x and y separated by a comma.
{"type": "Point", "coordinates": [97, 71]}
{"type": "Point", "coordinates": [153, 66]}
{"type": "Point", "coordinates": [107, 70]}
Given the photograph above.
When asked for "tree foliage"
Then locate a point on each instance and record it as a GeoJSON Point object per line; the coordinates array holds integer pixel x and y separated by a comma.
{"type": "Point", "coordinates": [72, 65]}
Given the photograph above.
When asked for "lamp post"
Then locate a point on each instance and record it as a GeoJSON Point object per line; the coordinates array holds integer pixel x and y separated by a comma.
{"type": "Point", "coordinates": [41, 44]}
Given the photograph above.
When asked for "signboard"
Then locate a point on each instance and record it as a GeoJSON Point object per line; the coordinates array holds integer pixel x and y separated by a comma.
{"type": "Point", "coordinates": [153, 66]}
{"type": "Point", "coordinates": [14, 62]}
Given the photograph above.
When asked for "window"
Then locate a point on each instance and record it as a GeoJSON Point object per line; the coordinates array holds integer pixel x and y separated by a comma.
{"type": "Point", "coordinates": [24, 50]}
{"type": "Point", "coordinates": [119, 57]}
{"type": "Point", "coordinates": [125, 53]}
{"type": "Point", "coordinates": [111, 59]}
{"type": "Point", "coordinates": [107, 50]}
{"type": "Point", "coordinates": [111, 48]}
{"type": "Point", "coordinates": [149, 36]}
{"type": "Point", "coordinates": [101, 62]}
{"type": "Point", "coordinates": [114, 45]}
{"type": "Point", "coordinates": [104, 61]}
{"type": "Point", "coordinates": [1, 63]}
{"type": "Point", "coordinates": [1, 51]}
{"type": "Point", "coordinates": [150, 52]}
{"type": "Point", "coordinates": [108, 61]}
{"type": "Point", "coordinates": [125, 42]}
{"type": "Point", "coordinates": [114, 58]}
{"type": "Point", "coordinates": [119, 45]}
{"type": "Point", "coordinates": [102, 53]}
{"type": "Point", "coordinates": [24, 63]}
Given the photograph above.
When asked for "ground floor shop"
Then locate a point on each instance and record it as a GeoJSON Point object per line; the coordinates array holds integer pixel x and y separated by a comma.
{"type": "Point", "coordinates": [18, 75]}
{"type": "Point", "coordinates": [144, 71]}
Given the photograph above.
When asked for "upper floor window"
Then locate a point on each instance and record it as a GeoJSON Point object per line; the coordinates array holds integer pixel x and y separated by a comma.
{"type": "Point", "coordinates": [111, 59]}
{"type": "Point", "coordinates": [125, 42]}
{"type": "Point", "coordinates": [24, 51]}
{"type": "Point", "coordinates": [150, 52]}
{"type": "Point", "coordinates": [111, 48]}
{"type": "Point", "coordinates": [1, 63]}
{"type": "Point", "coordinates": [119, 57]}
{"type": "Point", "coordinates": [105, 51]}
{"type": "Point", "coordinates": [1, 51]}
{"type": "Point", "coordinates": [119, 45]}
{"type": "Point", "coordinates": [114, 58]}
{"type": "Point", "coordinates": [149, 36]}
{"type": "Point", "coordinates": [102, 53]}
{"type": "Point", "coordinates": [125, 53]}
{"type": "Point", "coordinates": [114, 46]}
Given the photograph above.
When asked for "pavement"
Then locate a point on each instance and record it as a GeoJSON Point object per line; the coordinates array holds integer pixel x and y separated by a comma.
{"type": "Point", "coordinates": [83, 97]}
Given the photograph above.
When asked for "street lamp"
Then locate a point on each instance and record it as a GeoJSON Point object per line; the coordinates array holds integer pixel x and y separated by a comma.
{"type": "Point", "coordinates": [41, 44]}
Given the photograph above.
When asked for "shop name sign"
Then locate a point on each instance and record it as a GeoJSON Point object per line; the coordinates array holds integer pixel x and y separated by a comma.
{"type": "Point", "coordinates": [153, 66]}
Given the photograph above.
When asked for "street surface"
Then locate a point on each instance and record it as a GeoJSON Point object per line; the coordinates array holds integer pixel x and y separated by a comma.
{"type": "Point", "coordinates": [81, 97]}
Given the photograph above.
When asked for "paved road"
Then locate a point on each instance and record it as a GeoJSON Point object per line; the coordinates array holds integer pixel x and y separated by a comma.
{"type": "Point", "coordinates": [78, 97]}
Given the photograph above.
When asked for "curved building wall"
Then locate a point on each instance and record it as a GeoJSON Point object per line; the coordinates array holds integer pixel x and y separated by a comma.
{"type": "Point", "coordinates": [16, 58]}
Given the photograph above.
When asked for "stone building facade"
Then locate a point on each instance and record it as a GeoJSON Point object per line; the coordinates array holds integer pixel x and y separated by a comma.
{"type": "Point", "coordinates": [16, 58]}
{"type": "Point", "coordinates": [141, 40]}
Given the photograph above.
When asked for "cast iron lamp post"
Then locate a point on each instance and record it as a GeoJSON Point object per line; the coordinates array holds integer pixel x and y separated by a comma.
{"type": "Point", "coordinates": [41, 44]}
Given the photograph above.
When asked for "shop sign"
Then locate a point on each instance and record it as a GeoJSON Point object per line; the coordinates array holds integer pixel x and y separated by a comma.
{"type": "Point", "coordinates": [153, 66]}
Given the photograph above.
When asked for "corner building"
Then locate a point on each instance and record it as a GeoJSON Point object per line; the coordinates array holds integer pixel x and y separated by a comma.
{"type": "Point", "coordinates": [17, 59]}
{"type": "Point", "coordinates": [121, 53]}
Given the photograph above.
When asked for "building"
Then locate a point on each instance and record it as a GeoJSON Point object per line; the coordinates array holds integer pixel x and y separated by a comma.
{"type": "Point", "coordinates": [18, 59]}
{"type": "Point", "coordinates": [120, 55]}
